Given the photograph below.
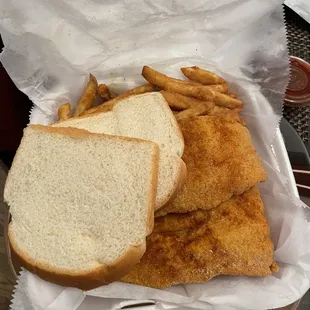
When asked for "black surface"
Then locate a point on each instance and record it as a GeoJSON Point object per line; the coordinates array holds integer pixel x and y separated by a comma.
{"type": "Point", "coordinates": [298, 41]}
{"type": "Point", "coordinates": [296, 149]}
{"type": "Point", "coordinates": [14, 115]}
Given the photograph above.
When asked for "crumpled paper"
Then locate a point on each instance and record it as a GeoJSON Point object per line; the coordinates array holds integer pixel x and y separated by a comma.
{"type": "Point", "coordinates": [301, 7]}
{"type": "Point", "coordinates": [51, 46]}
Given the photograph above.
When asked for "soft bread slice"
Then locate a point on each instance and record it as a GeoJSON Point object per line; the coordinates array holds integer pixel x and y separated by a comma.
{"type": "Point", "coordinates": [147, 117]}
{"type": "Point", "coordinates": [81, 207]}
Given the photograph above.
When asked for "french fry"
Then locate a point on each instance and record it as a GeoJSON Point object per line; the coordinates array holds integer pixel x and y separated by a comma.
{"type": "Point", "coordinates": [177, 86]}
{"type": "Point", "coordinates": [180, 102]}
{"type": "Point", "coordinates": [88, 97]}
{"type": "Point", "coordinates": [100, 108]}
{"type": "Point", "coordinates": [91, 110]}
{"type": "Point", "coordinates": [104, 92]}
{"type": "Point", "coordinates": [221, 110]}
{"type": "Point", "coordinates": [226, 101]}
{"type": "Point", "coordinates": [64, 112]}
{"type": "Point", "coordinates": [232, 95]}
{"type": "Point", "coordinates": [175, 100]}
{"type": "Point", "coordinates": [199, 109]}
{"type": "Point", "coordinates": [146, 88]}
{"type": "Point", "coordinates": [221, 88]}
{"type": "Point", "coordinates": [202, 76]}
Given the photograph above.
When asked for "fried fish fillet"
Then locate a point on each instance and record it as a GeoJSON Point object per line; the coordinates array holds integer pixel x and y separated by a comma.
{"type": "Point", "coordinates": [221, 162]}
{"type": "Point", "coordinates": [232, 239]}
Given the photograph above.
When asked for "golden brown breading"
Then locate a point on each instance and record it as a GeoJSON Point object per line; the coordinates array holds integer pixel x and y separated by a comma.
{"type": "Point", "coordinates": [232, 239]}
{"type": "Point", "coordinates": [221, 162]}
{"type": "Point", "coordinates": [229, 114]}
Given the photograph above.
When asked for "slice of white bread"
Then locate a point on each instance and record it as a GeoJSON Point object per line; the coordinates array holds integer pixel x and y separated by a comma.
{"type": "Point", "coordinates": [81, 207]}
{"type": "Point", "coordinates": [147, 117]}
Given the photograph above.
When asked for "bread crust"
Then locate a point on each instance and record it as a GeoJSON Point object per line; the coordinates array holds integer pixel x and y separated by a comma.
{"type": "Point", "coordinates": [74, 132]}
{"type": "Point", "coordinates": [109, 108]}
{"type": "Point", "coordinates": [152, 196]}
{"type": "Point", "coordinates": [175, 190]}
{"type": "Point", "coordinates": [175, 123]}
{"type": "Point", "coordinates": [96, 277]}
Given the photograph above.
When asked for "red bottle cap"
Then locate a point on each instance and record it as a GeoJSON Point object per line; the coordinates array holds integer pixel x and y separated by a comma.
{"type": "Point", "coordinates": [298, 90]}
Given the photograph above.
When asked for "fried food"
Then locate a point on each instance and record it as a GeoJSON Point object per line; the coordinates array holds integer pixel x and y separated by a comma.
{"type": "Point", "coordinates": [221, 162]}
{"type": "Point", "coordinates": [199, 109]}
{"type": "Point", "coordinates": [88, 97]}
{"type": "Point", "coordinates": [221, 88]}
{"type": "Point", "coordinates": [202, 76]}
{"type": "Point", "coordinates": [180, 102]}
{"type": "Point", "coordinates": [104, 92]}
{"type": "Point", "coordinates": [232, 95]}
{"type": "Point", "coordinates": [229, 114]}
{"type": "Point", "coordinates": [176, 101]}
{"type": "Point", "coordinates": [226, 101]}
{"type": "Point", "coordinates": [106, 106]}
{"type": "Point", "coordinates": [99, 108]}
{"type": "Point", "coordinates": [232, 239]}
{"type": "Point", "coordinates": [177, 86]}
{"type": "Point", "coordinates": [218, 111]}
{"type": "Point", "coordinates": [64, 112]}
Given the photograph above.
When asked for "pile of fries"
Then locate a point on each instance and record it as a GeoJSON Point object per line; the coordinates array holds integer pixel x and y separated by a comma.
{"type": "Point", "coordinates": [204, 93]}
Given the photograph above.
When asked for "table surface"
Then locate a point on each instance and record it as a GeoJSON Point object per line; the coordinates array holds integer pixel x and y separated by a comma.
{"type": "Point", "coordinates": [298, 40]}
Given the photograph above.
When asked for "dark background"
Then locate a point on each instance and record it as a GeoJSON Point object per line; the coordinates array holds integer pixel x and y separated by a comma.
{"type": "Point", "coordinates": [14, 115]}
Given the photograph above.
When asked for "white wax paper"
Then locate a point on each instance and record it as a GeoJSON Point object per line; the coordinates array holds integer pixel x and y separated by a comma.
{"type": "Point", "coordinates": [301, 7]}
{"type": "Point", "coordinates": [51, 46]}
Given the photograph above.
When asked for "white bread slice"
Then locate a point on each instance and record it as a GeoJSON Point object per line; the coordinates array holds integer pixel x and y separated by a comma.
{"type": "Point", "coordinates": [147, 117]}
{"type": "Point", "coordinates": [81, 207]}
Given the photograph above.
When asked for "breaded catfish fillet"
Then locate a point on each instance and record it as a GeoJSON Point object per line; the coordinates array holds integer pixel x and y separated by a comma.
{"type": "Point", "coordinates": [221, 162]}
{"type": "Point", "coordinates": [232, 239]}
